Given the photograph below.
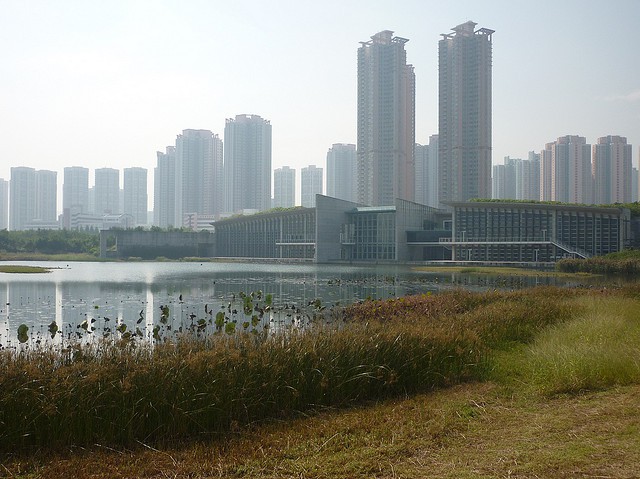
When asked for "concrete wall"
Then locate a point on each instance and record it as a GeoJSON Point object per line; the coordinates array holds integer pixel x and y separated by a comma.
{"type": "Point", "coordinates": [331, 214]}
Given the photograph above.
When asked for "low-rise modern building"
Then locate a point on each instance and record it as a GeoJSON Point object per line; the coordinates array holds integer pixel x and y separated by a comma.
{"type": "Point", "coordinates": [335, 230]}
{"type": "Point", "coordinates": [535, 232]}
{"type": "Point", "coordinates": [342, 231]}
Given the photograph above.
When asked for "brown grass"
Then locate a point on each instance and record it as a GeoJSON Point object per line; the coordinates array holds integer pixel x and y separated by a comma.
{"type": "Point", "coordinates": [468, 431]}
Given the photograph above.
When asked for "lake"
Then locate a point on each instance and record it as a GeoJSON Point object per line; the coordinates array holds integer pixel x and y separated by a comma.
{"type": "Point", "coordinates": [84, 300]}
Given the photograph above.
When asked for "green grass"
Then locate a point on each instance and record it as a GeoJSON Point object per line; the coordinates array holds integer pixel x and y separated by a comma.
{"type": "Point", "coordinates": [23, 269]}
{"type": "Point", "coordinates": [502, 270]}
{"type": "Point", "coordinates": [598, 350]}
{"type": "Point", "coordinates": [32, 256]}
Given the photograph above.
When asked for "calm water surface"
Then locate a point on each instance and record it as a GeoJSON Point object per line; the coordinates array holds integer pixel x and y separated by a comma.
{"type": "Point", "coordinates": [105, 295]}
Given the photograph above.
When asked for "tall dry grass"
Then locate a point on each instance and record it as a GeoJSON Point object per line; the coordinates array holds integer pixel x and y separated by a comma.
{"type": "Point", "coordinates": [117, 394]}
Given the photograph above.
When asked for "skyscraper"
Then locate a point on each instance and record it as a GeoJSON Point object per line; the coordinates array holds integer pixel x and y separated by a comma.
{"type": "Point", "coordinates": [33, 198]}
{"type": "Point", "coordinates": [611, 166]}
{"type": "Point", "coordinates": [465, 113]}
{"type": "Point", "coordinates": [198, 179]}
{"type": "Point", "coordinates": [46, 197]}
{"type": "Point", "coordinates": [310, 185]}
{"type": "Point", "coordinates": [164, 189]}
{"type": "Point", "coordinates": [284, 187]}
{"type": "Point", "coordinates": [426, 179]}
{"type": "Point", "coordinates": [504, 179]}
{"type": "Point", "coordinates": [22, 203]}
{"type": "Point", "coordinates": [386, 121]}
{"type": "Point", "coordinates": [529, 178]}
{"type": "Point", "coordinates": [135, 194]}
{"type": "Point", "coordinates": [517, 179]}
{"type": "Point", "coordinates": [4, 204]}
{"type": "Point", "coordinates": [247, 163]}
{"type": "Point", "coordinates": [570, 169]}
{"type": "Point", "coordinates": [75, 192]}
{"type": "Point", "coordinates": [546, 175]}
{"type": "Point", "coordinates": [342, 172]}
{"type": "Point", "coordinates": [107, 191]}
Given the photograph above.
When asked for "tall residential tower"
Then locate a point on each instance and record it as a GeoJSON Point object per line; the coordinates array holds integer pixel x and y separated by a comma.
{"type": "Point", "coordinates": [426, 179]}
{"type": "Point", "coordinates": [342, 172]}
{"type": "Point", "coordinates": [198, 174]}
{"type": "Point", "coordinates": [465, 113]}
{"type": "Point", "coordinates": [107, 191]}
{"type": "Point", "coordinates": [135, 194]}
{"type": "Point", "coordinates": [310, 185]}
{"type": "Point", "coordinates": [284, 187]}
{"type": "Point", "coordinates": [247, 163]}
{"type": "Point", "coordinates": [612, 170]}
{"type": "Point", "coordinates": [164, 189]}
{"type": "Point", "coordinates": [75, 192]}
{"type": "Point", "coordinates": [4, 204]}
{"type": "Point", "coordinates": [386, 121]}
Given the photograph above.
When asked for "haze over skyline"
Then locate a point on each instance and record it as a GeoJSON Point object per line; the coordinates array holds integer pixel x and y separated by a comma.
{"type": "Point", "coordinates": [108, 84]}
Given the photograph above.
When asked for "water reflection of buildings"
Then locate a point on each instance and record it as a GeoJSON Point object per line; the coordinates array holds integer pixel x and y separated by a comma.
{"type": "Point", "coordinates": [82, 310]}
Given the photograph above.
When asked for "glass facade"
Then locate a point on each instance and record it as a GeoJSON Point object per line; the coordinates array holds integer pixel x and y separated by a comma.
{"type": "Point", "coordinates": [536, 232]}
{"type": "Point", "coordinates": [374, 235]}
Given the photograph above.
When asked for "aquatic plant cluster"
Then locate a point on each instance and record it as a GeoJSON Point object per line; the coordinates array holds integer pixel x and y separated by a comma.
{"type": "Point", "coordinates": [120, 392]}
{"type": "Point", "coordinates": [248, 312]}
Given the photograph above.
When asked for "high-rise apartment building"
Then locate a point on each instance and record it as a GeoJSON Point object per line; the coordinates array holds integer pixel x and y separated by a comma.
{"type": "Point", "coordinates": [75, 193]}
{"type": "Point", "coordinates": [517, 179]}
{"type": "Point", "coordinates": [198, 174]}
{"type": "Point", "coordinates": [247, 163]}
{"type": "Point", "coordinates": [385, 121]}
{"type": "Point", "coordinates": [22, 197]}
{"type": "Point", "coordinates": [569, 172]}
{"type": "Point", "coordinates": [107, 191]}
{"type": "Point", "coordinates": [545, 173]}
{"type": "Point", "coordinates": [135, 194]}
{"type": "Point", "coordinates": [465, 113]}
{"type": "Point", "coordinates": [528, 178]}
{"type": "Point", "coordinates": [504, 179]}
{"type": "Point", "coordinates": [611, 167]}
{"type": "Point", "coordinates": [342, 172]}
{"type": "Point", "coordinates": [635, 179]}
{"type": "Point", "coordinates": [426, 179]}
{"type": "Point", "coordinates": [284, 187]}
{"type": "Point", "coordinates": [310, 185]}
{"type": "Point", "coordinates": [46, 198]}
{"type": "Point", "coordinates": [4, 204]}
{"type": "Point", "coordinates": [164, 189]}
{"type": "Point", "coordinates": [33, 199]}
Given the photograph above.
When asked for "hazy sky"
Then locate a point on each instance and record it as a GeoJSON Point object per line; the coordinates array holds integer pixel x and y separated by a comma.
{"type": "Point", "coordinates": [109, 83]}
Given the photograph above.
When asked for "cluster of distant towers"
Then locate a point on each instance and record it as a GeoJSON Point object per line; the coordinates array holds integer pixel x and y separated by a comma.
{"type": "Point", "coordinates": [197, 181]}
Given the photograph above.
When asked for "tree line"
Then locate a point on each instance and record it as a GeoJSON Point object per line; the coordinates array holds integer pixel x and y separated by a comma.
{"type": "Point", "coordinates": [50, 242]}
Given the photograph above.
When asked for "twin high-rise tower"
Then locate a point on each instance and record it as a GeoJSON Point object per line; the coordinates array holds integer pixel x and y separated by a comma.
{"type": "Point", "coordinates": [464, 120]}
{"type": "Point", "coordinates": [386, 118]}
{"type": "Point", "coordinates": [386, 121]}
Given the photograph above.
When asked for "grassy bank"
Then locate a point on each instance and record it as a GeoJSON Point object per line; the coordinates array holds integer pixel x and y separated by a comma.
{"type": "Point", "coordinates": [32, 256]}
{"type": "Point", "coordinates": [525, 373]}
{"type": "Point", "coordinates": [625, 262]}
{"type": "Point", "coordinates": [499, 270]}
{"type": "Point", "coordinates": [22, 269]}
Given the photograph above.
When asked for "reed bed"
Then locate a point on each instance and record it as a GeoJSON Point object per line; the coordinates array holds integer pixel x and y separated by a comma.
{"type": "Point", "coordinates": [121, 393]}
